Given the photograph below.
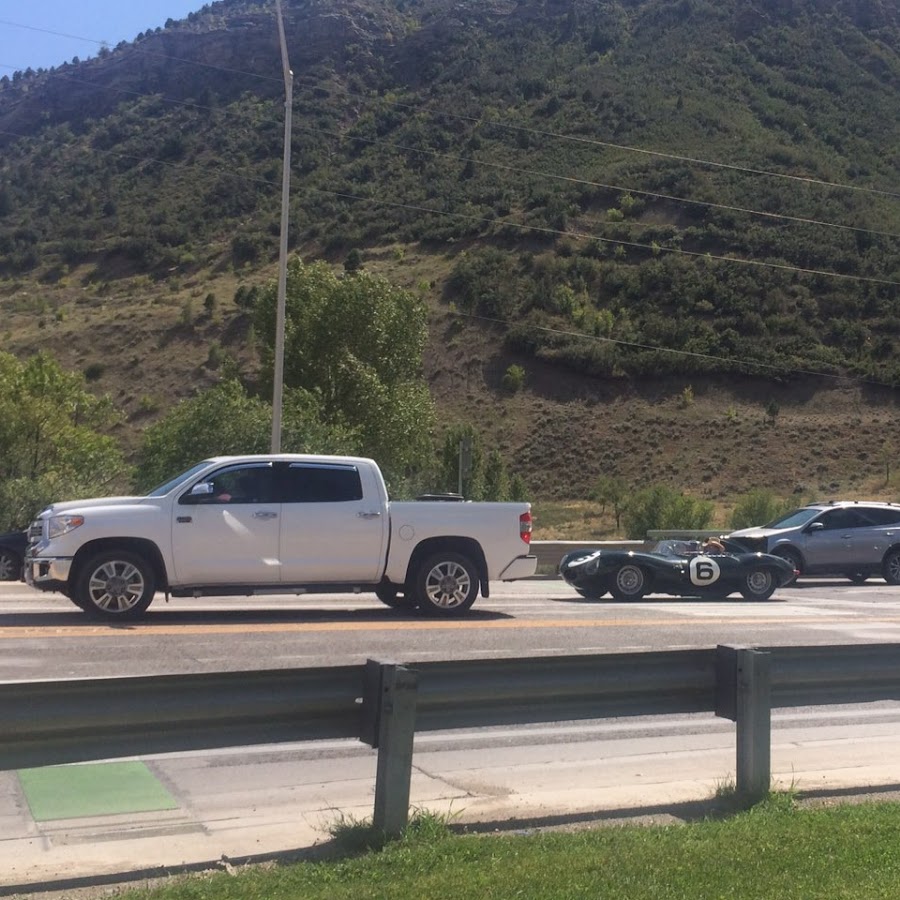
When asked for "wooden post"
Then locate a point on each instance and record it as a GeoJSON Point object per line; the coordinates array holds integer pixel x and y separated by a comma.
{"type": "Point", "coordinates": [396, 728]}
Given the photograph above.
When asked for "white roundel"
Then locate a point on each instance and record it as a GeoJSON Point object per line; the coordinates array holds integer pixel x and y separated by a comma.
{"type": "Point", "coordinates": [704, 571]}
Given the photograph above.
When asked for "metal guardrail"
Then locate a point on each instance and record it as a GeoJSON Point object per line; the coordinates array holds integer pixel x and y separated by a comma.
{"type": "Point", "coordinates": [549, 553]}
{"type": "Point", "coordinates": [384, 704]}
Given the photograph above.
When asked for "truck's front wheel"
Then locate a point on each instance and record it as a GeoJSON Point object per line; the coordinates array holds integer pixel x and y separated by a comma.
{"type": "Point", "coordinates": [115, 585]}
{"type": "Point", "coordinates": [446, 584]}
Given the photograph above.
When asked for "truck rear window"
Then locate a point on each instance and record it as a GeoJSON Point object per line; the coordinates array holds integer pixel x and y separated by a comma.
{"type": "Point", "coordinates": [321, 484]}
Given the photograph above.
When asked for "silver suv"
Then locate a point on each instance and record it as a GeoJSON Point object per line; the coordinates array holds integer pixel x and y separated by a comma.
{"type": "Point", "coordinates": [841, 537]}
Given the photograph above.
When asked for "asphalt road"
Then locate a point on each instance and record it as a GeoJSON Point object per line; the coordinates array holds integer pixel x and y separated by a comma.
{"type": "Point", "coordinates": [46, 636]}
{"type": "Point", "coordinates": [243, 801]}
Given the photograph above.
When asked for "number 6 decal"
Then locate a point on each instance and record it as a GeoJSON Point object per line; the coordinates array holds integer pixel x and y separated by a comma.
{"type": "Point", "coordinates": [704, 571]}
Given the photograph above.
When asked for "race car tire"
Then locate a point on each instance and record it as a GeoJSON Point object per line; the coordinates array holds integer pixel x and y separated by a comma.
{"type": "Point", "coordinates": [758, 584]}
{"type": "Point", "coordinates": [629, 583]}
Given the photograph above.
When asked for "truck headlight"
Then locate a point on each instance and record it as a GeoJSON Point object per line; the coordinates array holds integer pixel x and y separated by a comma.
{"type": "Point", "coordinates": [60, 525]}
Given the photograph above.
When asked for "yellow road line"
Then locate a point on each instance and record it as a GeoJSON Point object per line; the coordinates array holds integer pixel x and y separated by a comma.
{"type": "Point", "coordinates": [148, 629]}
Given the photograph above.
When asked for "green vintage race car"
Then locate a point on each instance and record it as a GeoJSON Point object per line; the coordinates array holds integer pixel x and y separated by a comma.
{"type": "Point", "coordinates": [680, 568]}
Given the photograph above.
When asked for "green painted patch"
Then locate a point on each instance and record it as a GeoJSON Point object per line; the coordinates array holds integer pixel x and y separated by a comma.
{"type": "Point", "coordinates": [101, 789]}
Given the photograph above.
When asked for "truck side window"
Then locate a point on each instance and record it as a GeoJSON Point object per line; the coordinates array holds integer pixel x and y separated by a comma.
{"type": "Point", "coordinates": [312, 483]}
{"type": "Point", "coordinates": [248, 484]}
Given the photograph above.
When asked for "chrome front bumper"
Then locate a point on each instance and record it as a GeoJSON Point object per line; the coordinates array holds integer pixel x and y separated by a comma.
{"type": "Point", "coordinates": [48, 573]}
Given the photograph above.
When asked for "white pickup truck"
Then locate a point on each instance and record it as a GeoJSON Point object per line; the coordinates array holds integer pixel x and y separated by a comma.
{"type": "Point", "coordinates": [285, 523]}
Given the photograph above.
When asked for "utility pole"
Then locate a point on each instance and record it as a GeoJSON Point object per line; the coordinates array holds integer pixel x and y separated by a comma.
{"type": "Point", "coordinates": [278, 375]}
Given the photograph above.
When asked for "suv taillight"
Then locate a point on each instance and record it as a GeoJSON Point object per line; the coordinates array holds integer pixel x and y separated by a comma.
{"type": "Point", "coordinates": [525, 527]}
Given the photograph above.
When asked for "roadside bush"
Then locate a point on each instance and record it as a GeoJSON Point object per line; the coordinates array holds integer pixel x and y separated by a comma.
{"type": "Point", "coordinates": [660, 507]}
{"type": "Point", "coordinates": [757, 508]}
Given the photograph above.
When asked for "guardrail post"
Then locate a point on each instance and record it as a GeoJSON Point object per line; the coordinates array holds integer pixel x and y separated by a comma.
{"type": "Point", "coordinates": [754, 724]}
{"type": "Point", "coordinates": [744, 695]}
{"type": "Point", "coordinates": [396, 729]}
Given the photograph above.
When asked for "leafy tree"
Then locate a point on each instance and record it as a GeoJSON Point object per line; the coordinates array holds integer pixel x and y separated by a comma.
{"type": "Point", "coordinates": [355, 343]}
{"type": "Point", "coordinates": [227, 420]}
{"type": "Point", "coordinates": [51, 445]}
{"type": "Point", "coordinates": [661, 507]}
{"type": "Point", "coordinates": [614, 491]}
{"type": "Point", "coordinates": [496, 478]}
{"type": "Point", "coordinates": [473, 480]}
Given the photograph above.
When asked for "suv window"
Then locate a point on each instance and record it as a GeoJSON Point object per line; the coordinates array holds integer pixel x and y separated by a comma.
{"type": "Point", "coordinates": [842, 518]}
{"type": "Point", "coordinates": [883, 516]}
{"type": "Point", "coordinates": [316, 483]}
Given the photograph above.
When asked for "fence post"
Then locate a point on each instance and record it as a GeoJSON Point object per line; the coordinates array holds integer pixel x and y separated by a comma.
{"type": "Point", "coordinates": [396, 728]}
{"type": "Point", "coordinates": [753, 709]}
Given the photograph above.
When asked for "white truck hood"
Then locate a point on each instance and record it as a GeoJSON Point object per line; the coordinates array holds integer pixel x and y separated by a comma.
{"type": "Point", "coordinates": [57, 508]}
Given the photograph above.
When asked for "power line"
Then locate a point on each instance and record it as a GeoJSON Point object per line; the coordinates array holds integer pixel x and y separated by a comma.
{"type": "Point", "coordinates": [613, 187]}
{"type": "Point", "coordinates": [480, 121]}
{"type": "Point", "coordinates": [653, 248]}
{"type": "Point", "coordinates": [133, 49]}
{"type": "Point", "coordinates": [520, 170]}
{"type": "Point", "coordinates": [633, 244]}
{"type": "Point", "coordinates": [636, 345]}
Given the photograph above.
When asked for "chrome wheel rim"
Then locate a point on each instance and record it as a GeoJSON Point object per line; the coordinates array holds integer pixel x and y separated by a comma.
{"type": "Point", "coordinates": [448, 585]}
{"type": "Point", "coordinates": [893, 567]}
{"type": "Point", "coordinates": [116, 586]}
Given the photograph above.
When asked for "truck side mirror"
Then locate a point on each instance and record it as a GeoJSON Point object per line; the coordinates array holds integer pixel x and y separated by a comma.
{"type": "Point", "coordinates": [198, 492]}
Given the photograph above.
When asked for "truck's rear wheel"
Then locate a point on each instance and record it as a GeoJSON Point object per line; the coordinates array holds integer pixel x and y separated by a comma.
{"type": "Point", "coordinates": [115, 585]}
{"type": "Point", "coordinates": [446, 584]}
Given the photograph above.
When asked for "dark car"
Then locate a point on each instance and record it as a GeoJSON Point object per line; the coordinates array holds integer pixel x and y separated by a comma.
{"type": "Point", "coordinates": [12, 554]}
{"type": "Point", "coordinates": [675, 567]}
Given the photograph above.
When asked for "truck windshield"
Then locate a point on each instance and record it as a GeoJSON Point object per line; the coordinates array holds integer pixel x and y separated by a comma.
{"type": "Point", "coordinates": [167, 486]}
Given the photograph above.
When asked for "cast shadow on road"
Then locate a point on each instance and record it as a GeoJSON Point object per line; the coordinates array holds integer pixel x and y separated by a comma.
{"type": "Point", "coordinates": [662, 599]}
{"type": "Point", "coordinates": [689, 811]}
{"type": "Point", "coordinates": [167, 616]}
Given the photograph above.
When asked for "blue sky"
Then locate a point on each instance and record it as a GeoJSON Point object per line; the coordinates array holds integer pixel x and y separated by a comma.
{"type": "Point", "coordinates": [24, 40]}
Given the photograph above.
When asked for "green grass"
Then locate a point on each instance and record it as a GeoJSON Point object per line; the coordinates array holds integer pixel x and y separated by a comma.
{"type": "Point", "coordinates": [772, 851]}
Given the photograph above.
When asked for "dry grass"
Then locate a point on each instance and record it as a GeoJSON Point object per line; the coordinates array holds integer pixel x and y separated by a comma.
{"type": "Point", "coordinates": [709, 437]}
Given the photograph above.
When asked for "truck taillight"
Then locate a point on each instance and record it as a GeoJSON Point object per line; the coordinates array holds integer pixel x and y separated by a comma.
{"type": "Point", "coordinates": [525, 527]}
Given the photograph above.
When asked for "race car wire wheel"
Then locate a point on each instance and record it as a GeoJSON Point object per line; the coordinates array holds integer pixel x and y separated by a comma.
{"type": "Point", "coordinates": [630, 583]}
{"type": "Point", "coordinates": [758, 585]}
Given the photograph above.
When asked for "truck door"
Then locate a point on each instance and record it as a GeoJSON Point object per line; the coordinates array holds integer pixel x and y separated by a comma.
{"type": "Point", "coordinates": [332, 529]}
{"type": "Point", "coordinates": [225, 529]}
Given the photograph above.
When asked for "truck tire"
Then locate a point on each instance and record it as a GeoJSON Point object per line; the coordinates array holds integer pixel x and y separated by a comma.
{"type": "Point", "coordinates": [115, 585]}
{"type": "Point", "coordinates": [446, 584]}
{"type": "Point", "coordinates": [10, 566]}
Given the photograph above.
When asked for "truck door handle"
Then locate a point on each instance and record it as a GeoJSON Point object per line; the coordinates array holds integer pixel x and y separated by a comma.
{"type": "Point", "coordinates": [183, 519]}
{"type": "Point", "coordinates": [263, 514]}
{"type": "Point", "coordinates": [368, 514]}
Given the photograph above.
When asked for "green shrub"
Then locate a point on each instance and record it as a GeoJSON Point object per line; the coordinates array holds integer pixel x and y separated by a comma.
{"type": "Point", "coordinates": [757, 508]}
{"type": "Point", "coordinates": [514, 379]}
{"type": "Point", "coordinates": [661, 507]}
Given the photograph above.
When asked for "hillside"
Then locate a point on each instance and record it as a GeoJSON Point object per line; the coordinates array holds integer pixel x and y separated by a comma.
{"type": "Point", "coordinates": [705, 325]}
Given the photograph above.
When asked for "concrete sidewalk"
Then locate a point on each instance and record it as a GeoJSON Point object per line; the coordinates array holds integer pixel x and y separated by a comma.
{"type": "Point", "coordinates": [251, 804]}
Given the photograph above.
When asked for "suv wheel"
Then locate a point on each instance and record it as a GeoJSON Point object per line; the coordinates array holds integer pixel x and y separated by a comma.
{"type": "Point", "coordinates": [792, 557]}
{"type": "Point", "coordinates": [890, 567]}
